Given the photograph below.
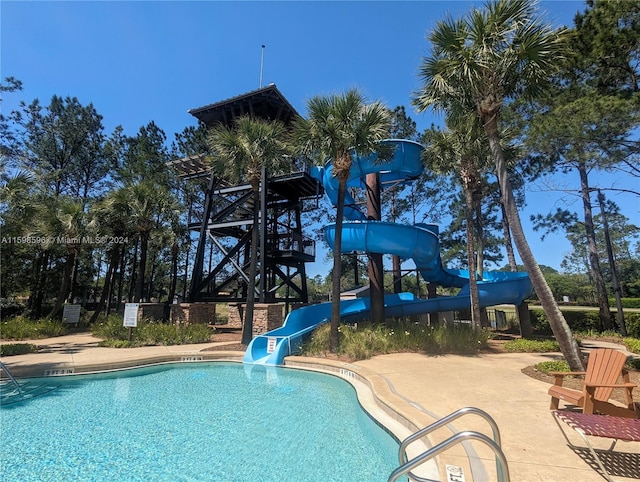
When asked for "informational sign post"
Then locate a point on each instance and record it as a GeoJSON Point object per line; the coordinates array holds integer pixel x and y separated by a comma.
{"type": "Point", "coordinates": [131, 317]}
{"type": "Point", "coordinates": [71, 313]}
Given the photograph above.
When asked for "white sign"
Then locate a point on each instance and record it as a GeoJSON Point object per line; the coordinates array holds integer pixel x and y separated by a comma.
{"type": "Point", "coordinates": [71, 314]}
{"type": "Point", "coordinates": [454, 473]}
{"type": "Point", "coordinates": [131, 315]}
{"type": "Point", "coordinates": [271, 344]}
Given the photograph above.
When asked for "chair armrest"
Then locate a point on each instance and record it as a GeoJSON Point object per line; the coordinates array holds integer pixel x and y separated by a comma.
{"type": "Point", "coordinates": [566, 374]}
{"type": "Point", "coordinates": [559, 376]}
{"type": "Point", "coordinates": [615, 385]}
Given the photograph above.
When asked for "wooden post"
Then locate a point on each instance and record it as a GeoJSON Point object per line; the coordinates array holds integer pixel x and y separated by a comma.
{"type": "Point", "coordinates": [376, 272]}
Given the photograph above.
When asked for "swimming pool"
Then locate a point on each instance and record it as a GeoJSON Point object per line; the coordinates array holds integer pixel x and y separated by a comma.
{"type": "Point", "coordinates": [195, 422]}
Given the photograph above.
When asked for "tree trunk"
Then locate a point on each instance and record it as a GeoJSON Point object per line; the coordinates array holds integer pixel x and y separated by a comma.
{"type": "Point", "coordinates": [397, 274]}
{"type": "Point", "coordinates": [612, 267]}
{"type": "Point", "coordinates": [120, 278]}
{"type": "Point", "coordinates": [335, 275]}
{"type": "Point", "coordinates": [513, 266]}
{"type": "Point", "coordinates": [558, 324]}
{"type": "Point", "coordinates": [522, 310]}
{"type": "Point", "coordinates": [395, 259]}
{"type": "Point", "coordinates": [376, 272]}
{"type": "Point", "coordinates": [478, 235]}
{"type": "Point", "coordinates": [40, 277]}
{"type": "Point", "coordinates": [65, 286]}
{"type": "Point", "coordinates": [173, 283]}
{"type": "Point", "coordinates": [471, 259]}
{"type": "Point", "coordinates": [142, 266]}
{"type": "Point", "coordinates": [133, 277]}
{"type": "Point", "coordinates": [594, 259]}
{"type": "Point", "coordinates": [106, 288]}
{"type": "Point", "coordinates": [247, 325]}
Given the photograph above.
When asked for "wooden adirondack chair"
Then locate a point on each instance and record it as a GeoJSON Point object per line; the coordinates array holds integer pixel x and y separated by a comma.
{"type": "Point", "coordinates": [604, 368]}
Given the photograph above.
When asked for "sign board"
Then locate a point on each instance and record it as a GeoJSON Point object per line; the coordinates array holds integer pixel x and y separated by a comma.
{"type": "Point", "coordinates": [454, 473]}
{"type": "Point", "coordinates": [71, 313]}
{"type": "Point", "coordinates": [271, 344]}
{"type": "Point", "coordinates": [131, 315]}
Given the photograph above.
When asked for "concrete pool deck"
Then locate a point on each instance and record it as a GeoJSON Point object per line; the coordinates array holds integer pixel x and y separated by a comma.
{"type": "Point", "coordinates": [421, 388]}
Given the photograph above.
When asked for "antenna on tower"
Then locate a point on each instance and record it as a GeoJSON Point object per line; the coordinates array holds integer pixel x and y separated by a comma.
{"type": "Point", "coordinates": [261, 65]}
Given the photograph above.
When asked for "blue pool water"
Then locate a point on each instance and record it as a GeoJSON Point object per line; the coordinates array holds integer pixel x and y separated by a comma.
{"type": "Point", "coordinates": [195, 422]}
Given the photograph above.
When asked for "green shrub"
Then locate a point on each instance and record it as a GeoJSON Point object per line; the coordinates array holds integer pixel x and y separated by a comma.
{"type": "Point", "coordinates": [582, 320]}
{"type": "Point", "coordinates": [460, 338]}
{"type": "Point", "coordinates": [318, 342]}
{"type": "Point", "coordinates": [148, 332]}
{"type": "Point", "coordinates": [632, 323]}
{"type": "Point", "coordinates": [531, 346]}
{"type": "Point", "coordinates": [10, 307]}
{"type": "Point", "coordinates": [632, 344]}
{"type": "Point", "coordinates": [21, 327]}
{"type": "Point", "coordinates": [365, 342]}
{"type": "Point", "coordinates": [599, 334]}
{"type": "Point", "coordinates": [552, 366]}
{"type": "Point", "coordinates": [633, 363]}
{"type": "Point", "coordinates": [110, 328]}
{"type": "Point", "coordinates": [17, 349]}
{"type": "Point", "coordinates": [626, 302]}
{"type": "Point", "coordinates": [539, 322]}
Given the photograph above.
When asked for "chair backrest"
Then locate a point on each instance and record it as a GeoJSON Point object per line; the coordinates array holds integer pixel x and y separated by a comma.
{"type": "Point", "coordinates": [604, 367]}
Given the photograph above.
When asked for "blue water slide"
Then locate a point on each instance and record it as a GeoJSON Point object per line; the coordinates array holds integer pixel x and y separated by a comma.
{"type": "Point", "coordinates": [271, 347]}
{"type": "Point", "coordinates": [404, 163]}
{"type": "Point", "coordinates": [420, 243]}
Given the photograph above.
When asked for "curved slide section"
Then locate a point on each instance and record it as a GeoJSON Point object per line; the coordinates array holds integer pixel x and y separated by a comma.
{"type": "Point", "coordinates": [421, 243]}
{"type": "Point", "coordinates": [404, 164]}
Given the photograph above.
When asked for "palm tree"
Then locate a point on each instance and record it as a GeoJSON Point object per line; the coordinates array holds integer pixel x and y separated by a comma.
{"type": "Point", "coordinates": [62, 224]}
{"type": "Point", "coordinates": [112, 214]}
{"type": "Point", "coordinates": [241, 153]}
{"type": "Point", "coordinates": [338, 126]}
{"type": "Point", "coordinates": [480, 62]}
{"type": "Point", "coordinates": [461, 149]}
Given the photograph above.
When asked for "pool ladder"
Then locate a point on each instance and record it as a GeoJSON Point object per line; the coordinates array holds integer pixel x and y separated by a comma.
{"type": "Point", "coordinates": [10, 376]}
{"type": "Point", "coordinates": [406, 465]}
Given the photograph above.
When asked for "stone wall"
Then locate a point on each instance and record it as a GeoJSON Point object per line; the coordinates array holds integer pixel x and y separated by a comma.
{"type": "Point", "coordinates": [187, 313]}
{"type": "Point", "coordinates": [183, 313]}
{"type": "Point", "coordinates": [151, 311]}
{"type": "Point", "coordinates": [266, 317]}
{"type": "Point", "coordinates": [235, 315]}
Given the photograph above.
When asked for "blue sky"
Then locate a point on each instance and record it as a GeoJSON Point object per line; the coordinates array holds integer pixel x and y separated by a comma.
{"type": "Point", "coordinates": [143, 61]}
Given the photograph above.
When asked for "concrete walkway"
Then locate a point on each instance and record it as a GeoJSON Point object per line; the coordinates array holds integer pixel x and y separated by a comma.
{"type": "Point", "coordinates": [422, 388]}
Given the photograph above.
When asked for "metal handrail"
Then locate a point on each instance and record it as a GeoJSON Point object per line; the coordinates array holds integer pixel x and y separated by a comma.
{"type": "Point", "coordinates": [407, 465]}
{"type": "Point", "coordinates": [13, 380]}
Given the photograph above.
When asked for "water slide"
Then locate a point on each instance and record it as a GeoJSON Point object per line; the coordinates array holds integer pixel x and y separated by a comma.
{"type": "Point", "coordinates": [404, 164]}
{"type": "Point", "coordinates": [420, 243]}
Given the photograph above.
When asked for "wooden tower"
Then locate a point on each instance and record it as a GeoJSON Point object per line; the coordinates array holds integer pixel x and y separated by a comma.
{"type": "Point", "coordinates": [226, 221]}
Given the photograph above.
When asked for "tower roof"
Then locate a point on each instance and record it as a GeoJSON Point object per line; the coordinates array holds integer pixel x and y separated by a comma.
{"type": "Point", "coordinates": [266, 103]}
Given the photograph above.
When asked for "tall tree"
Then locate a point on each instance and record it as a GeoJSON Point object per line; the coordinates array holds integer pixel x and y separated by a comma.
{"type": "Point", "coordinates": [479, 63]}
{"type": "Point", "coordinates": [61, 145]}
{"type": "Point", "coordinates": [113, 220]}
{"type": "Point", "coordinates": [587, 123]}
{"type": "Point", "coordinates": [58, 141]}
{"type": "Point", "coordinates": [241, 153]}
{"type": "Point", "coordinates": [461, 148]}
{"type": "Point", "coordinates": [336, 127]}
